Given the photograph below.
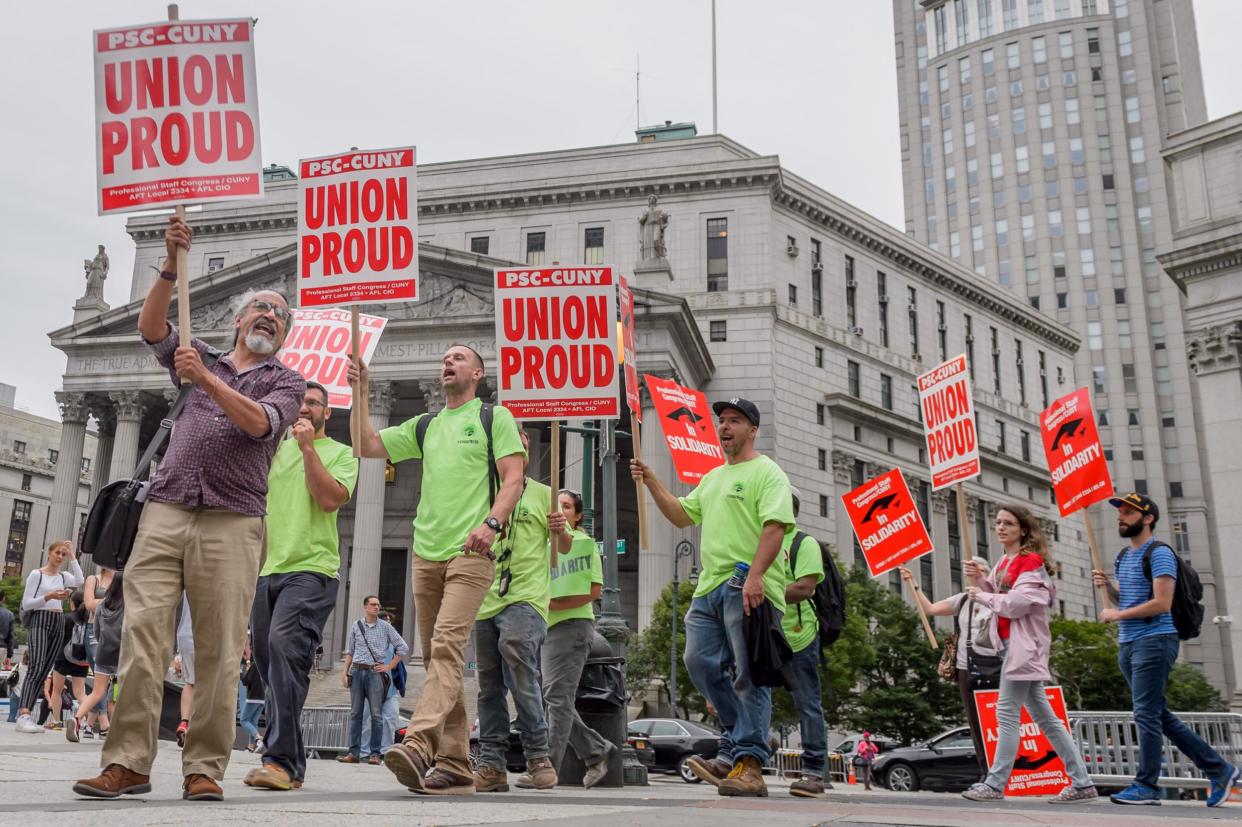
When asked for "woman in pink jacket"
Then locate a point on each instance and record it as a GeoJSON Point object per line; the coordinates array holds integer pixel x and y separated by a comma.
{"type": "Point", "coordinates": [1019, 592]}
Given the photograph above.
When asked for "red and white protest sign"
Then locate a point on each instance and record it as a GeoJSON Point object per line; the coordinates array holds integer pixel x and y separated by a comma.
{"type": "Point", "coordinates": [556, 336]}
{"type": "Point", "coordinates": [1076, 461]}
{"type": "Point", "coordinates": [887, 523]}
{"type": "Point", "coordinates": [357, 242]}
{"type": "Point", "coordinates": [949, 423]}
{"type": "Point", "coordinates": [1037, 770]}
{"type": "Point", "coordinates": [318, 347]}
{"type": "Point", "coordinates": [689, 430]}
{"type": "Point", "coordinates": [176, 114]}
{"type": "Point", "coordinates": [632, 397]}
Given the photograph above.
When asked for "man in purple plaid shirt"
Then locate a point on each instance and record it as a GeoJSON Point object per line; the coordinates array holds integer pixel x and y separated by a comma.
{"type": "Point", "coordinates": [202, 530]}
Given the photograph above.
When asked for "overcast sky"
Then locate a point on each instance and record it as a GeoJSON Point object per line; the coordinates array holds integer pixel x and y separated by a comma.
{"type": "Point", "coordinates": [812, 81]}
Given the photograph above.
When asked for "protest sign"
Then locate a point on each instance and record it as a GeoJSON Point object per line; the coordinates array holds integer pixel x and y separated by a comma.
{"type": "Point", "coordinates": [949, 423]}
{"type": "Point", "coordinates": [176, 114]}
{"type": "Point", "coordinates": [630, 361]}
{"type": "Point", "coordinates": [556, 337]}
{"type": "Point", "coordinates": [318, 347]}
{"type": "Point", "coordinates": [357, 242]}
{"type": "Point", "coordinates": [1037, 770]}
{"type": "Point", "coordinates": [1076, 461]}
{"type": "Point", "coordinates": [886, 521]}
{"type": "Point", "coordinates": [689, 430]}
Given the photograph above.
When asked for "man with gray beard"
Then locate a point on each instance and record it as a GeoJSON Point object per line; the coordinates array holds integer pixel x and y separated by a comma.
{"type": "Point", "coordinates": [202, 530]}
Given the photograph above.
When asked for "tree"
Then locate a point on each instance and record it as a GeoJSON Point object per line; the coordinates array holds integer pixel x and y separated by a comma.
{"type": "Point", "coordinates": [12, 588]}
{"type": "Point", "coordinates": [648, 657]}
{"type": "Point", "coordinates": [1189, 691]}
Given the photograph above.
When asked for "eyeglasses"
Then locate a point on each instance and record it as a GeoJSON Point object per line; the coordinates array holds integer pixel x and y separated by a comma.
{"type": "Point", "coordinates": [281, 313]}
{"type": "Point", "coordinates": [313, 403]}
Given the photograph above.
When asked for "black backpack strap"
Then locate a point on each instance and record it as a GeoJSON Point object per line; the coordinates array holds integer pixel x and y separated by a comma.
{"type": "Point", "coordinates": [798, 537]}
{"type": "Point", "coordinates": [155, 449]}
{"type": "Point", "coordinates": [420, 429]}
{"type": "Point", "coordinates": [486, 415]}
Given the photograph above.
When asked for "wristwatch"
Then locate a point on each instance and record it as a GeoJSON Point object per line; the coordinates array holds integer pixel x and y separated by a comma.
{"type": "Point", "coordinates": [493, 524]}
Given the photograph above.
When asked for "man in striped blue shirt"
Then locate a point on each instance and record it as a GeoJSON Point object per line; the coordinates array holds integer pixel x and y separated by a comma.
{"type": "Point", "coordinates": [364, 672]}
{"type": "Point", "coordinates": [1149, 647]}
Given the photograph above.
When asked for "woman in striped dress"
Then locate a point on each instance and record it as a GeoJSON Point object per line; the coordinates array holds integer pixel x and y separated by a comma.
{"type": "Point", "coordinates": [47, 588]}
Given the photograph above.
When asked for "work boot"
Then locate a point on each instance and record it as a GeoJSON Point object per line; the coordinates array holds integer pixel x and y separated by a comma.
{"type": "Point", "coordinates": [598, 771]}
{"type": "Point", "coordinates": [408, 765]}
{"type": "Point", "coordinates": [199, 787]}
{"type": "Point", "coordinates": [443, 782]}
{"type": "Point", "coordinates": [270, 776]}
{"type": "Point", "coordinates": [808, 786]}
{"type": "Point", "coordinates": [711, 770]}
{"type": "Point", "coordinates": [539, 775]}
{"type": "Point", "coordinates": [746, 779]}
{"type": "Point", "coordinates": [113, 782]}
{"type": "Point", "coordinates": [490, 780]}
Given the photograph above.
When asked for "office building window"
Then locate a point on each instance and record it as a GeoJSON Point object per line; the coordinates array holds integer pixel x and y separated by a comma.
{"type": "Point", "coordinates": [1000, 436]}
{"type": "Point", "coordinates": [718, 331]}
{"type": "Point", "coordinates": [27, 479]}
{"type": "Point", "coordinates": [886, 392]}
{"type": "Point", "coordinates": [86, 464]}
{"type": "Point", "coordinates": [857, 478]}
{"type": "Point", "coordinates": [855, 380]}
{"type": "Point", "coordinates": [955, 548]}
{"type": "Point", "coordinates": [535, 243]}
{"type": "Point", "coordinates": [819, 357]}
{"type": "Point", "coordinates": [717, 255]}
{"type": "Point", "coordinates": [1043, 380]}
{"type": "Point", "coordinates": [823, 505]}
{"type": "Point", "coordinates": [1039, 49]}
{"type": "Point", "coordinates": [851, 286]}
{"type": "Point", "coordinates": [821, 414]}
{"type": "Point", "coordinates": [970, 345]}
{"type": "Point", "coordinates": [793, 295]}
{"type": "Point", "coordinates": [19, 525]}
{"type": "Point", "coordinates": [914, 398]}
{"type": "Point", "coordinates": [593, 246]}
{"type": "Point", "coordinates": [912, 309]}
{"type": "Point", "coordinates": [19, 447]}
{"type": "Point", "coordinates": [53, 456]}
{"type": "Point", "coordinates": [823, 459]}
{"type": "Point", "coordinates": [215, 263]}
{"type": "Point", "coordinates": [817, 279]}
{"type": "Point", "coordinates": [480, 244]}
{"type": "Point", "coordinates": [996, 361]}
{"type": "Point", "coordinates": [985, 19]}
{"type": "Point", "coordinates": [881, 286]}
{"type": "Point", "coordinates": [942, 332]}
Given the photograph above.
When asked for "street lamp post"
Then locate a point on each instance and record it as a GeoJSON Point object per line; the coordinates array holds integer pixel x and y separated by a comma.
{"type": "Point", "coordinates": [684, 549]}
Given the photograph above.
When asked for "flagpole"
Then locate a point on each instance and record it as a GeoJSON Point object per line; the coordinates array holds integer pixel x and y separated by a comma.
{"type": "Point", "coordinates": [715, 124]}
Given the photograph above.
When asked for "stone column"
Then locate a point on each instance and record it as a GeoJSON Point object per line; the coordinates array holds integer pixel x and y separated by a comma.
{"type": "Point", "coordinates": [368, 511]}
{"type": "Point", "coordinates": [655, 564]}
{"type": "Point", "coordinates": [942, 501]}
{"type": "Point", "coordinates": [62, 516]}
{"type": "Point", "coordinates": [106, 419]}
{"type": "Point", "coordinates": [128, 408]}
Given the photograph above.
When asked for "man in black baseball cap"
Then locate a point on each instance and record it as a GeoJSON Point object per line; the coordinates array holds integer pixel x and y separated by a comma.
{"type": "Point", "coordinates": [1141, 503]}
{"type": "Point", "coordinates": [743, 406]}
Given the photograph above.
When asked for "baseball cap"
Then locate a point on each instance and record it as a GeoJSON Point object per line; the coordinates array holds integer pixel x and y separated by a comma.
{"type": "Point", "coordinates": [1139, 502]}
{"type": "Point", "coordinates": [744, 406]}
{"type": "Point", "coordinates": [797, 495]}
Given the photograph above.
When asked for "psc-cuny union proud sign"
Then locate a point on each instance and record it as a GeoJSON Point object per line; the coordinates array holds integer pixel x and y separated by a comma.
{"type": "Point", "coordinates": [689, 430]}
{"type": "Point", "coordinates": [176, 114]}
{"type": "Point", "coordinates": [1076, 462]}
{"type": "Point", "coordinates": [887, 523]}
{"type": "Point", "coordinates": [357, 242]}
{"type": "Point", "coordinates": [556, 338]}
{"type": "Point", "coordinates": [318, 347]}
{"type": "Point", "coordinates": [949, 423]}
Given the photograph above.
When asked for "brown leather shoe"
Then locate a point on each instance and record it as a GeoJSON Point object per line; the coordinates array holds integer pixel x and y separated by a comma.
{"type": "Point", "coordinates": [746, 779]}
{"type": "Point", "coordinates": [539, 775]}
{"type": "Point", "coordinates": [490, 780]}
{"type": "Point", "coordinates": [199, 787]}
{"type": "Point", "coordinates": [270, 776]}
{"type": "Point", "coordinates": [404, 761]}
{"type": "Point", "coordinates": [711, 770]}
{"type": "Point", "coordinates": [443, 782]}
{"type": "Point", "coordinates": [808, 786]}
{"type": "Point", "coordinates": [114, 781]}
{"type": "Point", "coordinates": [374, 759]}
{"type": "Point", "coordinates": [348, 758]}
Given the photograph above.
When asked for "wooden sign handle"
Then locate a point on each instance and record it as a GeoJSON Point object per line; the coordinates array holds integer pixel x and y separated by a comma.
{"type": "Point", "coordinates": [931, 636]}
{"type": "Point", "coordinates": [1095, 556]}
{"type": "Point", "coordinates": [644, 542]}
{"type": "Point", "coordinates": [555, 462]}
{"type": "Point", "coordinates": [359, 413]}
{"type": "Point", "coordinates": [968, 545]}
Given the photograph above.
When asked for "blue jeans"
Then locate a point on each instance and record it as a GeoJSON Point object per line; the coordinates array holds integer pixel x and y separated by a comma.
{"type": "Point", "coordinates": [507, 646]}
{"type": "Point", "coordinates": [365, 685]}
{"type": "Point", "coordinates": [718, 664]}
{"type": "Point", "coordinates": [802, 675]}
{"type": "Point", "coordinates": [391, 716]}
{"type": "Point", "coordinates": [248, 713]}
{"type": "Point", "coordinates": [1145, 663]}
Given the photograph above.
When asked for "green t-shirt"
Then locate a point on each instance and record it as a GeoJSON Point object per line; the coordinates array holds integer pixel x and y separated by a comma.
{"type": "Point", "coordinates": [526, 543]}
{"type": "Point", "coordinates": [802, 631]}
{"type": "Point", "coordinates": [301, 536]}
{"type": "Point", "coordinates": [454, 499]}
{"type": "Point", "coordinates": [732, 502]}
{"type": "Point", "coordinates": [576, 570]}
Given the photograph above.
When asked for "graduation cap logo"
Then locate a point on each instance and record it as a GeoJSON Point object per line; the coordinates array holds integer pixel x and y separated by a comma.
{"type": "Point", "coordinates": [693, 422]}
{"type": "Point", "coordinates": [882, 504]}
{"type": "Point", "coordinates": [1068, 430]}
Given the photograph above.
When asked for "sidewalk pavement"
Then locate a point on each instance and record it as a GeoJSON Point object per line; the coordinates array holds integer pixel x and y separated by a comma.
{"type": "Point", "coordinates": [37, 771]}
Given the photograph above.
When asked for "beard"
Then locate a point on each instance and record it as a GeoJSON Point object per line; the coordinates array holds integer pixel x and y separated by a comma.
{"type": "Point", "coordinates": [1130, 529]}
{"type": "Point", "coordinates": [260, 344]}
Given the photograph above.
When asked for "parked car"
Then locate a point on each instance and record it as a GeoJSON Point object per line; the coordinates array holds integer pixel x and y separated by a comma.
{"type": "Point", "coordinates": [515, 758]}
{"type": "Point", "coordinates": [946, 763]}
{"type": "Point", "coordinates": [675, 740]}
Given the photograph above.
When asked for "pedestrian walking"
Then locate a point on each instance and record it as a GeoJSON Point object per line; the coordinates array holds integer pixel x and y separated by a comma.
{"type": "Point", "coordinates": [745, 507]}
{"type": "Point", "coordinates": [1019, 591]}
{"type": "Point", "coordinates": [70, 670]}
{"type": "Point", "coordinates": [367, 674]}
{"type": "Point", "coordinates": [94, 590]}
{"type": "Point", "coordinates": [47, 588]}
{"type": "Point", "coordinates": [250, 700]}
{"type": "Point", "coordinates": [472, 478]}
{"type": "Point", "coordinates": [972, 624]}
{"type": "Point", "coordinates": [577, 579]}
{"type": "Point", "coordinates": [201, 532]}
{"type": "Point", "coordinates": [8, 624]}
{"type": "Point", "coordinates": [184, 640]}
{"type": "Point", "coordinates": [312, 476]}
{"type": "Point", "coordinates": [804, 571]}
{"type": "Point", "coordinates": [866, 753]}
{"type": "Point", "coordinates": [109, 617]}
{"type": "Point", "coordinates": [509, 630]}
{"type": "Point", "coordinates": [1146, 574]}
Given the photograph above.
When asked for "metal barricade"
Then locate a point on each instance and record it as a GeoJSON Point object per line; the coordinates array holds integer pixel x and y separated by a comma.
{"type": "Point", "coordinates": [325, 728]}
{"type": "Point", "coordinates": [835, 767]}
{"type": "Point", "coordinates": [1109, 742]}
{"type": "Point", "coordinates": [786, 763]}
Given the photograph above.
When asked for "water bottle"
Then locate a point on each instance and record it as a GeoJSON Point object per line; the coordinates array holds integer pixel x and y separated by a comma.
{"type": "Point", "coordinates": [739, 575]}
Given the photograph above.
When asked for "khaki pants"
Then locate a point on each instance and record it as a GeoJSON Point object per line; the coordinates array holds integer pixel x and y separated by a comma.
{"type": "Point", "coordinates": [213, 555]}
{"type": "Point", "coordinates": [447, 597]}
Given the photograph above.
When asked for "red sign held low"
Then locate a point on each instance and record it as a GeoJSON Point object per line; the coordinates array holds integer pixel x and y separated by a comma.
{"type": "Point", "coordinates": [1037, 770]}
{"type": "Point", "coordinates": [1076, 461]}
{"type": "Point", "coordinates": [886, 522]}
{"type": "Point", "coordinates": [689, 430]}
{"type": "Point", "coordinates": [318, 347]}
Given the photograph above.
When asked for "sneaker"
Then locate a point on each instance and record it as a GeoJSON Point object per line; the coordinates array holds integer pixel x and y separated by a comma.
{"type": "Point", "coordinates": [490, 780]}
{"type": "Point", "coordinates": [113, 782]}
{"type": "Point", "coordinates": [1072, 794]}
{"type": "Point", "coordinates": [71, 730]}
{"type": "Point", "coordinates": [539, 775]}
{"type": "Point", "coordinates": [54, 726]}
{"type": "Point", "coordinates": [84, 730]}
{"type": "Point", "coordinates": [1136, 794]}
{"type": "Point", "coordinates": [26, 724]}
{"type": "Point", "coordinates": [746, 779]}
{"type": "Point", "coordinates": [982, 792]}
{"type": "Point", "coordinates": [711, 770]}
{"type": "Point", "coordinates": [598, 771]}
{"type": "Point", "coordinates": [182, 729]}
{"type": "Point", "coordinates": [258, 745]}
{"type": "Point", "coordinates": [1221, 787]}
{"type": "Point", "coordinates": [808, 786]}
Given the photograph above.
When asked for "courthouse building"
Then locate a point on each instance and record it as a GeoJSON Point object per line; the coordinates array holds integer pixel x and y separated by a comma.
{"type": "Point", "coordinates": [762, 285]}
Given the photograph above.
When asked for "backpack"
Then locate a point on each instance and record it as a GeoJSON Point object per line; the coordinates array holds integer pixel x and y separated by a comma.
{"type": "Point", "coordinates": [828, 600]}
{"type": "Point", "coordinates": [75, 647]}
{"type": "Point", "coordinates": [485, 419]}
{"type": "Point", "coordinates": [1187, 607]}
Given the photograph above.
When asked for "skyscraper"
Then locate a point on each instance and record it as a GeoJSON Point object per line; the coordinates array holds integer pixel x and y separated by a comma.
{"type": "Point", "coordinates": [1031, 133]}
